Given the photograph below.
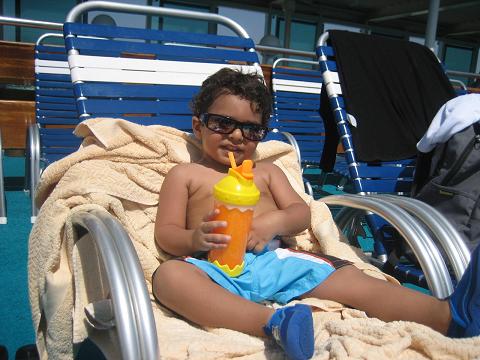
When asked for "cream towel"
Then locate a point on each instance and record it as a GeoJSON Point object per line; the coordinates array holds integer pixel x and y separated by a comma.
{"type": "Point", "coordinates": [120, 168]}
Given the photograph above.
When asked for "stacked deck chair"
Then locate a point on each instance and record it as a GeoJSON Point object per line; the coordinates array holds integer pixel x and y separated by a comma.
{"type": "Point", "coordinates": [93, 243]}
{"type": "Point", "coordinates": [3, 209]}
{"type": "Point", "coordinates": [51, 138]}
{"type": "Point", "coordinates": [148, 76]}
{"type": "Point", "coordinates": [296, 95]}
{"type": "Point", "coordinates": [381, 95]}
{"type": "Point", "coordinates": [459, 86]}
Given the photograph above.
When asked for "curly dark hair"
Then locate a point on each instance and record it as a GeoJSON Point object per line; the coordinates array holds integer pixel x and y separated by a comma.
{"type": "Point", "coordinates": [226, 81]}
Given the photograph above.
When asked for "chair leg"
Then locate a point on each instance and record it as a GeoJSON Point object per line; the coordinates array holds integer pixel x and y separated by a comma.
{"type": "Point", "coordinates": [32, 158]}
{"type": "Point", "coordinates": [3, 209]}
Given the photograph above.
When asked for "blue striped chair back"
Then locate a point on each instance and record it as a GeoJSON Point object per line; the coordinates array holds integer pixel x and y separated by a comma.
{"type": "Point", "coordinates": [55, 110]}
{"type": "Point", "coordinates": [296, 97]}
{"type": "Point", "coordinates": [391, 177]}
{"type": "Point", "coordinates": [147, 76]}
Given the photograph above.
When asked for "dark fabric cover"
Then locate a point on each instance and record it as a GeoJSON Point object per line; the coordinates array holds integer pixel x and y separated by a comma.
{"type": "Point", "coordinates": [392, 87]}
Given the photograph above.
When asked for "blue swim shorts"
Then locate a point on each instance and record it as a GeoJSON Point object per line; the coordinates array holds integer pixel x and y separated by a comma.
{"type": "Point", "coordinates": [280, 275]}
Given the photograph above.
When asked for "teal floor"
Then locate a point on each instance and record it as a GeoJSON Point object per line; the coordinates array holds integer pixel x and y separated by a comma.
{"type": "Point", "coordinates": [15, 320]}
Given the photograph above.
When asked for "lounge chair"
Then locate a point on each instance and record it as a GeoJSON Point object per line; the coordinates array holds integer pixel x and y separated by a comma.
{"type": "Point", "coordinates": [51, 138]}
{"type": "Point", "coordinates": [381, 155]}
{"type": "Point", "coordinates": [296, 112]}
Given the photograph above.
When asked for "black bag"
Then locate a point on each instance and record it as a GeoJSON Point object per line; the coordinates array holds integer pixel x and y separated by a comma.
{"type": "Point", "coordinates": [448, 178]}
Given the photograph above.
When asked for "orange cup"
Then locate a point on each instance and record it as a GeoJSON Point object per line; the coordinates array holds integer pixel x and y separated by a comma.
{"type": "Point", "coordinates": [235, 197]}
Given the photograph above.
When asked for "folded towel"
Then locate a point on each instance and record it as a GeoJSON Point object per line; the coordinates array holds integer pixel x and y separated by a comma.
{"type": "Point", "coordinates": [120, 168]}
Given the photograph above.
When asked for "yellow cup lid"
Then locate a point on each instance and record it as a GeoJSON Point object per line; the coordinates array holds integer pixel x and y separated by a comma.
{"type": "Point", "coordinates": [238, 188]}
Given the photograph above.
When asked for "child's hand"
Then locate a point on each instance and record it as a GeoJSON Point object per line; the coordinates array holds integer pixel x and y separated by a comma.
{"type": "Point", "coordinates": [259, 236]}
{"type": "Point", "coordinates": [204, 239]}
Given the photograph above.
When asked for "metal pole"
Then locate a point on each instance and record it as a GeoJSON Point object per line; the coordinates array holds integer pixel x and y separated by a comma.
{"type": "Point", "coordinates": [7, 20]}
{"type": "Point", "coordinates": [431, 31]}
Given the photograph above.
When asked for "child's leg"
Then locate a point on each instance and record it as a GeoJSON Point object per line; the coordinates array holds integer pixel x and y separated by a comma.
{"type": "Point", "coordinates": [382, 299]}
{"type": "Point", "coordinates": [188, 291]}
{"type": "Point", "coordinates": [185, 289]}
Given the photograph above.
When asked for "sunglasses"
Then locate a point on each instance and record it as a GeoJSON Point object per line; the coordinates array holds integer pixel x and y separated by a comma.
{"type": "Point", "coordinates": [226, 125]}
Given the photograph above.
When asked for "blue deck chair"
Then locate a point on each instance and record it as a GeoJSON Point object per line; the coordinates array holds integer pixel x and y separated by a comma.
{"type": "Point", "coordinates": [296, 96]}
{"type": "Point", "coordinates": [3, 209]}
{"type": "Point", "coordinates": [378, 176]}
{"type": "Point", "coordinates": [148, 76]}
{"type": "Point", "coordinates": [459, 86]}
{"type": "Point", "coordinates": [51, 138]}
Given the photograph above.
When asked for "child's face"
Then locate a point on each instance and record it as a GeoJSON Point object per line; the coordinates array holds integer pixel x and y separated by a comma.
{"type": "Point", "coordinates": [216, 146]}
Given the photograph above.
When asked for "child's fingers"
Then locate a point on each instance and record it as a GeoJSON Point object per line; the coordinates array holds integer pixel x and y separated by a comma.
{"type": "Point", "coordinates": [217, 241]}
{"type": "Point", "coordinates": [209, 226]}
{"type": "Point", "coordinates": [211, 215]}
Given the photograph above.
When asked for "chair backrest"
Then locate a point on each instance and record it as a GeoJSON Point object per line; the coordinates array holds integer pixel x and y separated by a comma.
{"type": "Point", "coordinates": [296, 97]}
{"type": "Point", "coordinates": [148, 76]}
{"type": "Point", "coordinates": [395, 176]}
{"type": "Point", "coordinates": [55, 110]}
{"type": "Point", "coordinates": [392, 176]}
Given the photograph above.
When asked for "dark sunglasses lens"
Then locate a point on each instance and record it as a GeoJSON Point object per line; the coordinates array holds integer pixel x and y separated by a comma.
{"type": "Point", "coordinates": [220, 124]}
{"type": "Point", "coordinates": [254, 133]}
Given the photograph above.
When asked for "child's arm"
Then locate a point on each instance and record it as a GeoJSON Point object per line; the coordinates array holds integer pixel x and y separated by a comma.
{"type": "Point", "coordinates": [292, 216]}
{"type": "Point", "coordinates": [171, 234]}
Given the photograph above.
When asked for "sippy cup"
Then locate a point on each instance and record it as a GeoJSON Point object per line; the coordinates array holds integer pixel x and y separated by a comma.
{"type": "Point", "coordinates": [235, 197]}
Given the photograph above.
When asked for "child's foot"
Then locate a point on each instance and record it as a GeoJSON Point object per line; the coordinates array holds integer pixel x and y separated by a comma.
{"type": "Point", "coordinates": [292, 328]}
{"type": "Point", "coordinates": [465, 301]}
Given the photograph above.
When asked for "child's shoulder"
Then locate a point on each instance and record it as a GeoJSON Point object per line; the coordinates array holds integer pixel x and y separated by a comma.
{"type": "Point", "coordinates": [266, 166]}
{"type": "Point", "coordinates": [183, 170]}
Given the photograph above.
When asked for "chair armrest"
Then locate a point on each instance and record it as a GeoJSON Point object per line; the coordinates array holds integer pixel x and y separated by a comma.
{"type": "Point", "coordinates": [428, 255]}
{"type": "Point", "coordinates": [275, 134]}
{"type": "Point", "coordinates": [447, 236]}
{"type": "Point", "coordinates": [132, 309]}
{"type": "Point", "coordinates": [290, 139]}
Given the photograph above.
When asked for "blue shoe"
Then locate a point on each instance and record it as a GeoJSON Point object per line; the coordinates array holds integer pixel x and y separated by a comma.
{"type": "Point", "coordinates": [292, 328]}
{"type": "Point", "coordinates": [465, 301]}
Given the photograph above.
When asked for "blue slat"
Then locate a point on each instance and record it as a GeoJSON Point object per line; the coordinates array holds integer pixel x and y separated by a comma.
{"type": "Point", "coordinates": [137, 91]}
{"type": "Point", "coordinates": [288, 95]}
{"type": "Point", "coordinates": [55, 99]}
{"type": "Point", "coordinates": [55, 92]}
{"type": "Point", "coordinates": [57, 131]}
{"type": "Point", "coordinates": [57, 121]}
{"type": "Point", "coordinates": [279, 72]}
{"type": "Point", "coordinates": [136, 106]}
{"type": "Point", "coordinates": [131, 33]}
{"type": "Point", "coordinates": [186, 53]}
{"type": "Point", "coordinates": [281, 117]}
{"type": "Point", "coordinates": [391, 172]}
{"type": "Point", "coordinates": [56, 106]}
{"type": "Point", "coordinates": [306, 107]}
{"type": "Point", "coordinates": [386, 185]}
{"type": "Point", "coordinates": [54, 57]}
{"type": "Point", "coordinates": [53, 84]}
{"type": "Point", "coordinates": [325, 50]}
{"type": "Point", "coordinates": [53, 77]}
{"type": "Point", "coordinates": [328, 65]}
{"type": "Point", "coordinates": [308, 78]}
